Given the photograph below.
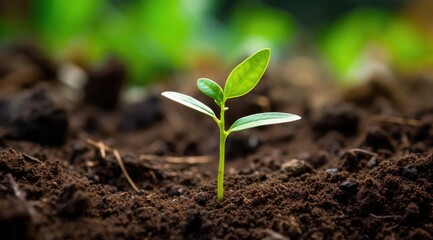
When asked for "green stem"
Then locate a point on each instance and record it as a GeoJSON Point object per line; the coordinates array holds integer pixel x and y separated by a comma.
{"type": "Point", "coordinates": [223, 137]}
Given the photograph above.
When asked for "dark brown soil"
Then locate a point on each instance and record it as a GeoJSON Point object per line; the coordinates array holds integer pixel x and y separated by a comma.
{"type": "Point", "coordinates": [355, 167]}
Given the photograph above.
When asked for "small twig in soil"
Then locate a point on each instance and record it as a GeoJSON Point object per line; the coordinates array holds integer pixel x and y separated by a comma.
{"type": "Point", "coordinates": [392, 227]}
{"type": "Point", "coordinates": [355, 151]}
{"type": "Point", "coordinates": [103, 149]}
{"type": "Point", "coordinates": [20, 195]}
{"type": "Point", "coordinates": [384, 217]}
{"type": "Point", "coordinates": [397, 120]}
{"type": "Point", "coordinates": [246, 200]}
{"type": "Point", "coordinates": [150, 195]}
{"type": "Point", "coordinates": [119, 160]}
{"type": "Point", "coordinates": [405, 140]}
{"type": "Point", "coordinates": [178, 160]}
{"type": "Point", "coordinates": [122, 194]}
{"type": "Point", "coordinates": [14, 186]}
{"type": "Point", "coordinates": [98, 145]}
{"type": "Point", "coordinates": [31, 158]}
{"type": "Point", "coordinates": [274, 235]}
{"type": "Point", "coordinates": [145, 208]}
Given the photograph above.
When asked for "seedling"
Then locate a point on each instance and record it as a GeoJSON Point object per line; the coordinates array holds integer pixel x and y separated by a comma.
{"type": "Point", "coordinates": [241, 80]}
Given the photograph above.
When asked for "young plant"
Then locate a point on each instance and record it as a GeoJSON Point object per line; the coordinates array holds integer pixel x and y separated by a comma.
{"type": "Point", "coordinates": [240, 81]}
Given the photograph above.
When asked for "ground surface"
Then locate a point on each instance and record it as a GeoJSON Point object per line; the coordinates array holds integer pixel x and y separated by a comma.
{"type": "Point", "coordinates": [355, 167]}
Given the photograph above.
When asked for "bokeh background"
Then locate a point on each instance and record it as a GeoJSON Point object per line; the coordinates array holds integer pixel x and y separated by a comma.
{"type": "Point", "coordinates": [159, 40]}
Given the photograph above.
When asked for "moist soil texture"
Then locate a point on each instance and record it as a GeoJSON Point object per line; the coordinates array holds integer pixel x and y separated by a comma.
{"type": "Point", "coordinates": [358, 165]}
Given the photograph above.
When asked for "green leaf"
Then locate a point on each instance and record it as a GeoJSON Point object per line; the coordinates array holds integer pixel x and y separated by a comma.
{"type": "Point", "coordinates": [189, 102]}
{"type": "Point", "coordinates": [210, 89]}
{"type": "Point", "coordinates": [262, 119]}
{"type": "Point", "coordinates": [247, 74]}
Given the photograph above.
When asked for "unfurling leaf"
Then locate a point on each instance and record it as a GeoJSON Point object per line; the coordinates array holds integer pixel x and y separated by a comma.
{"type": "Point", "coordinates": [262, 119]}
{"type": "Point", "coordinates": [210, 89]}
{"type": "Point", "coordinates": [189, 102]}
{"type": "Point", "coordinates": [247, 74]}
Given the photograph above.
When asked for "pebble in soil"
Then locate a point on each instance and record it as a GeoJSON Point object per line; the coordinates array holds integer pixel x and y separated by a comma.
{"type": "Point", "coordinates": [295, 167]}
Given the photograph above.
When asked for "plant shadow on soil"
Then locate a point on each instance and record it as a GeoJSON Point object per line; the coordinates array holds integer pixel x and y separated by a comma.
{"type": "Point", "coordinates": [357, 167]}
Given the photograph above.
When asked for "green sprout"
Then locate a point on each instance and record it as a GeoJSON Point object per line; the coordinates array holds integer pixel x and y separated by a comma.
{"type": "Point", "coordinates": [241, 80]}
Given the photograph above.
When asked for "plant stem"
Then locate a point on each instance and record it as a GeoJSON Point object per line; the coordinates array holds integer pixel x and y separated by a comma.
{"type": "Point", "coordinates": [223, 137]}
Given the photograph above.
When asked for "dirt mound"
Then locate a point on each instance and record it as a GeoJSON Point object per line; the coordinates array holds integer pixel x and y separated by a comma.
{"type": "Point", "coordinates": [350, 170]}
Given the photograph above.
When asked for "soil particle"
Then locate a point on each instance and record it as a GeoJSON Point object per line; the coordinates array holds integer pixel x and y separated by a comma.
{"type": "Point", "coordinates": [332, 142]}
{"type": "Point", "coordinates": [141, 115]}
{"type": "Point", "coordinates": [193, 222]}
{"type": "Point", "coordinates": [339, 117]}
{"type": "Point", "coordinates": [409, 172]}
{"type": "Point", "coordinates": [331, 170]}
{"type": "Point", "coordinates": [73, 201]}
{"type": "Point", "coordinates": [33, 115]}
{"type": "Point", "coordinates": [348, 185]}
{"type": "Point", "coordinates": [319, 159]}
{"type": "Point", "coordinates": [411, 212]}
{"type": "Point", "coordinates": [295, 167]}
{"type": "Point", "coordinates": [291, 227]}
{"type": "Point", "coordinates": [201, 199]}
{"type": "Point", "coordinates": [377, 138]}
{"type": "Point", "coordinates": [104, 84]}
{"type": "Point", "coordinates": [77, 151]}
{"type": "Point", "coordinates": [356, 159]}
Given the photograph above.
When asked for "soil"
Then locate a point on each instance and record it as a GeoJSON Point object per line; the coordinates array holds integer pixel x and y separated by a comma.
{"type": "Point", "coordinates": [357, 166]}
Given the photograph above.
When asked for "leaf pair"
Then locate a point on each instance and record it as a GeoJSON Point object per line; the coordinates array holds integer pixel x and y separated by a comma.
{"type": "Point", "coordinates": [251, 121]}
{"type": "Point", "coordinates": [240, 81]}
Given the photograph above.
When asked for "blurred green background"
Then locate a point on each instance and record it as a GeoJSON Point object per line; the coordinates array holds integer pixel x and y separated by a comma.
{"type": "Point", "coordinates": [158, 38]}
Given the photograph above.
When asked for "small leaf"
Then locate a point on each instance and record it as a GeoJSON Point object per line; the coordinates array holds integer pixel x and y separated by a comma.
{"type": "Point", "coordinates": [262, 119]}
{"type": "Point", "coordinates": [210, 89]}
{"type": "Point", "coordinates": [189, 102]}
{"type": "Point", "coordinates": [247, 74]}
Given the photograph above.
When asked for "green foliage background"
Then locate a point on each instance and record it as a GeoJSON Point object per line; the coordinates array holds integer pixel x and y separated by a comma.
{"type": "Point", "coordinates": [158, 38]}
